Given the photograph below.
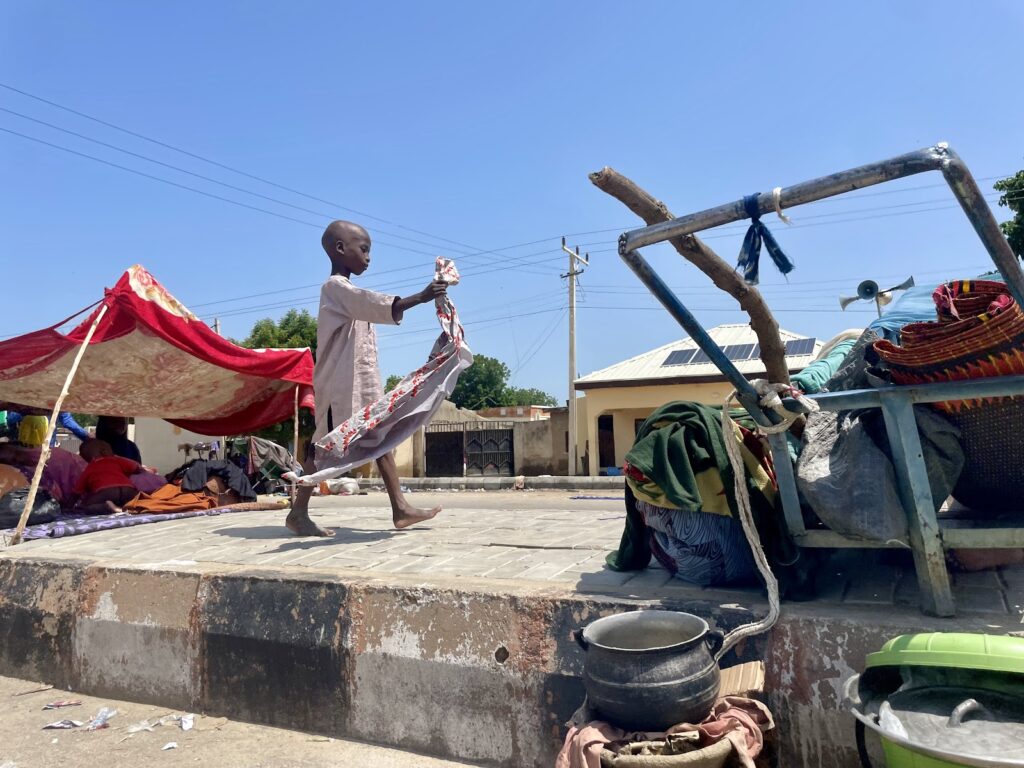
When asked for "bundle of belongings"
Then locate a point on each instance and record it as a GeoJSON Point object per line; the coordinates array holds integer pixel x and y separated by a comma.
{"type": "Point", "coordinates": [99, 483]}
{"type": "Point", "coordinates": [679, 497]}
{"type": "Point", "coordinates": [680, 501]}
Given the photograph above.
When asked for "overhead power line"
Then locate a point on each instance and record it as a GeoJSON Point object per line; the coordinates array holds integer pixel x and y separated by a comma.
{"type": "Point", "coordinates": [224, 166]}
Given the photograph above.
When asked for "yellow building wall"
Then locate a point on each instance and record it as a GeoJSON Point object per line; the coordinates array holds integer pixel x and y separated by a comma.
{"type": "Point", "coordinates": [626, 405]}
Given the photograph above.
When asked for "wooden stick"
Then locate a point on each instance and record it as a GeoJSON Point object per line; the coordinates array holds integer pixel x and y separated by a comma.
{"type": "Point", "coordinates": [762, 322]}
{"type": "Point", "coordinates": [295, 436]}
{"type": "Point", "coordinates": [44, 452]}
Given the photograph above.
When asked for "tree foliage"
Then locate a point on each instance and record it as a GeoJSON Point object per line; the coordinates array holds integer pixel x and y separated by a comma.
{"type": "Point", "coordinates": [485, 385]}
{"type": "Point", "coordinates": [1013, 198]}
{"type": "Point", "coordinates": [296, 329]}
{"type": "Point", "coordinates": [392, 382]}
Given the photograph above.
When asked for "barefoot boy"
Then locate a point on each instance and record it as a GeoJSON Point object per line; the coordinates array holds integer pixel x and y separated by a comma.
{"type": "Point", "coordinates": [346, 377]}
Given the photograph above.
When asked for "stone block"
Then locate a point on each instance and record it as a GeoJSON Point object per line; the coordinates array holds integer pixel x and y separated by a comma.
{"type": "Point", "coordinates": [38, 603]}
{"type": "Point", "coordinates": [134, 637]}
{"type": "Point", "coordinates": [273, 652]}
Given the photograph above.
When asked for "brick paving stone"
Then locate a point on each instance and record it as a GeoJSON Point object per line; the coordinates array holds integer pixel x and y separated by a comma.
{"type": "Point", "coordinates": [874, 587]}
{"type": "Point", "coordinates": [978, 579]}
{"type": "Point", "coordinates": [980, 600]}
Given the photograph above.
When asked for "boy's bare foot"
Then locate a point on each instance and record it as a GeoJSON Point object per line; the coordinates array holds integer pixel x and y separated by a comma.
{"type": "Point", "coordinates": [298, 522]}
{"type": "Point", "coordinates": [408, 515]}
{"type": "Point", "coordinates": [114, 508]}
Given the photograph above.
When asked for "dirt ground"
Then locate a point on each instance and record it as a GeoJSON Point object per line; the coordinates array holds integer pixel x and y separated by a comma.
{"type": "Point", "coordinates": [212, 741]}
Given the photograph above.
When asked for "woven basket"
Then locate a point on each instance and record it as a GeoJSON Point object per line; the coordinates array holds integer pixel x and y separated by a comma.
{"type": "Point", "coordinates": [979, 333]}
{"type": "Point", "coordinates": [714, 756]}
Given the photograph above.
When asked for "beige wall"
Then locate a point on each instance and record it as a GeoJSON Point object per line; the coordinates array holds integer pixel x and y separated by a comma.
{"type": "Point", "coordinates": [158, 442]}
{"type": "Point", "coordinates": [531, 446]}
{"type": "Point", "coordinates": [626, 404]}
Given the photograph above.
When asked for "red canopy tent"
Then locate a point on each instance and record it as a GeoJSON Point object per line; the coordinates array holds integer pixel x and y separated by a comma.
{"type": "Point", "coordinates": [150, 356]}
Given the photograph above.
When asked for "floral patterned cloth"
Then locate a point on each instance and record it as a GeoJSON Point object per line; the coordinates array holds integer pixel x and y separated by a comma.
{"type": "Point", "coordinates": [383, 425]}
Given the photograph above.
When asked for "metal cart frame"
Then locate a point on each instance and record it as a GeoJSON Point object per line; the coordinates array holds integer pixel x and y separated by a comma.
{"type": "Point", "coordinates": [928, 537]}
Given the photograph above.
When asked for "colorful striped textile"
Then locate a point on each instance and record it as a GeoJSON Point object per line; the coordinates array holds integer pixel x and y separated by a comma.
{"type": "Point", "coordinates": [979, 333]}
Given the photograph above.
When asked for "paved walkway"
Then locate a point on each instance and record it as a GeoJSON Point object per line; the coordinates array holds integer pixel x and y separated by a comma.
{"type": "Point", "coordinates": [553, 537]}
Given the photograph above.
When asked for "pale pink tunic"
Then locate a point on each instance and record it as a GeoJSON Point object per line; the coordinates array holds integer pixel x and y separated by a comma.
{"type": "Point", "coordinates": [347, 377]}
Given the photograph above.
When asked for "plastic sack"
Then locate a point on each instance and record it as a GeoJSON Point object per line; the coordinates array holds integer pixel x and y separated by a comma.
{"type": "Point", "coordinates": [44, 510]}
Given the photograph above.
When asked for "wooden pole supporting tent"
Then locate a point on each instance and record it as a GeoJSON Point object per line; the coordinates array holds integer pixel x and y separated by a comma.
{"type": "Point", "coordinates": [44, 452]}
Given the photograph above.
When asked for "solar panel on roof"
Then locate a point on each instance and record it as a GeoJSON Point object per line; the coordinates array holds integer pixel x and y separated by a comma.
{"type": "Point", "coordinates": [700, 357]}
{"type": "Point", "coordinates": [799, 347]}
{"type": "Point", "coordinates": [679, 357]}
{"type": "Point", "coordinates": [738, 352]}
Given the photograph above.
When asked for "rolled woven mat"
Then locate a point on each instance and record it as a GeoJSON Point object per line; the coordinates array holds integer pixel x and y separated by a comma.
{"type": "Point", "coordinates": [979, 333]}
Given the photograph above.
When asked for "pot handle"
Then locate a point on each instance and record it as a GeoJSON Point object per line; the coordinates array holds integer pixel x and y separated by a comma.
{"type": "Point", "coordinates": [714, 639]}
{"type": "Point", "coordinates": [581, 641]}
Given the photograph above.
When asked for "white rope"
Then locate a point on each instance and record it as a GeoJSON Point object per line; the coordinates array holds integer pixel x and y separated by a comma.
{"type": "Point", "coordinates": [769, 398]}
{"type": "Point", "coordinates": [777, 199]}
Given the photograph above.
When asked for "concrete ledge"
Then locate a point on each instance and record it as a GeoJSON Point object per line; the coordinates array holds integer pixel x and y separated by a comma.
{"type": "Point", "coordinates": [546, 483]}
{"type": "Point", "coordinates": [461, 668]}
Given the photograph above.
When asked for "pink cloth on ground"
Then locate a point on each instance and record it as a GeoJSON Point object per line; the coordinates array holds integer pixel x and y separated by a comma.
{"type": "Point", "coordinates": [60, 475]}
{"type": "Point", "coordinates": [740, 720]}
{"type": "Point", "coordinates": [147, 482]}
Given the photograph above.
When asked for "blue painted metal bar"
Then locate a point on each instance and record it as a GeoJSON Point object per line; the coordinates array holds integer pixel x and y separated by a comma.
{"type": "Point", "coordinates": [937, 158]}
{"type": "Point", "coordinates": [916, 495]}
{"type": "Point", "coordinates": [968, 389]}
{"type": "Point", "coordinates": [787, 484]}
{"type": "Point", "coordinates": [745, 391]}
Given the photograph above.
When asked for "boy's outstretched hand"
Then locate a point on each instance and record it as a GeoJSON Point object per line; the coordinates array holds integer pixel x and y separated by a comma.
{"type": "Point", "coordinates": [435, 290]}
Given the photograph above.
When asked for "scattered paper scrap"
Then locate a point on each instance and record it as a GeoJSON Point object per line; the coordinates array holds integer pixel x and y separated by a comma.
{"type": "Point", "coordinates": [169, 745]}
{"type": "Point", "coordinates": [101, 720]}
{"type": "Point", "coordinates": [63, 725]}
{"type": "Point", "coordinates": [188, 722]}
{"type": "Point", "coordinates": [63, 703]}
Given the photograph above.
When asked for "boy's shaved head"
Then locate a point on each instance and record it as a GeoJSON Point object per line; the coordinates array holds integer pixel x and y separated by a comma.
{"type": "Point", "coordinates": [347, 245]}
{"type": "Point", "coordinates": [340, 231]}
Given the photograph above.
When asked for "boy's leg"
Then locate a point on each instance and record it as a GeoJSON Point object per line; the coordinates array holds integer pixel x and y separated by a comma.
{"type": "Point", "coordinates": [298, 521]}
{"type": "Point", "coordinates": [402, 512]}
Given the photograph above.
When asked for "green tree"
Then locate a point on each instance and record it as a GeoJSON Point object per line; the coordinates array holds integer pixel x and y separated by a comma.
{"type": "Point", "coordinates": [482, 385]}
{"type": "Point", "coordinates": [485, 385]}
{"type": "Point", "coordinates": [392, 382]}
{"type": "Point", "coordinates": [528, 396]}
{"type": "Point", "coordinates": [1013, 198]}
{"type": "Point", "coordinates": [296, 329]}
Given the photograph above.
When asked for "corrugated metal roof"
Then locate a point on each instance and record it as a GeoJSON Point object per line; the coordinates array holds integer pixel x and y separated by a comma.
{"type": "Point", "coordinates": [650, 365]}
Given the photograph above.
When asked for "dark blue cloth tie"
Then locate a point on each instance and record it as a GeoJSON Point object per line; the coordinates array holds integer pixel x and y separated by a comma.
{"type": "Point", "coordinates": [750, 252]}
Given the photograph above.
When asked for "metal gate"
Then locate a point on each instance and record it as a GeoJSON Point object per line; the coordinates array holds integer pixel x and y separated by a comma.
{"type": "Point", "coordinates": [471, 448]}
{"type": "Point", "coordinates": [489, 448]}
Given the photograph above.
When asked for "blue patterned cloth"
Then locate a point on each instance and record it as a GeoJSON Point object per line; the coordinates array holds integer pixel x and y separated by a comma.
{"type": "Point", "coordinates": [705, 549]}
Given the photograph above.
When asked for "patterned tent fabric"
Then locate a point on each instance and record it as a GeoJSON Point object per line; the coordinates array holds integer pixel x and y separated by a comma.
{"type": "Point", "coordinates": [978, 334]}
{"type": "Point", "coordinates": [381, 427]}
{"type": "Point", "coordinates": [152, 357]}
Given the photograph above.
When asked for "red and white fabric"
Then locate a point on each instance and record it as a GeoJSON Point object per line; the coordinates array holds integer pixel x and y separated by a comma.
{"type": "Point", "coordinates": [150, 356]}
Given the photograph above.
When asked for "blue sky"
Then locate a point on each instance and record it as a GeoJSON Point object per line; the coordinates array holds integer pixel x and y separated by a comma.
{"type": "Point", "coordinates": [471, 127]}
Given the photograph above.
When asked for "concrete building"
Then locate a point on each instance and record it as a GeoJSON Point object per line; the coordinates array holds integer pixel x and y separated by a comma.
{"type": "Point", "coordinates": [617, 399]}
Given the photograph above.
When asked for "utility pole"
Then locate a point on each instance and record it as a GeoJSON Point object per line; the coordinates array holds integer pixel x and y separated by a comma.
{"type": "Point", "coordinates": [216, 325]}
{"type": "Point", "coordinates": [574, 259]}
